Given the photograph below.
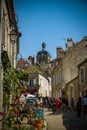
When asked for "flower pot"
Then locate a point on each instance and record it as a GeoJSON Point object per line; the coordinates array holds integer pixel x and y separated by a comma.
{"type": "Point", "coordinates": [38, 124]}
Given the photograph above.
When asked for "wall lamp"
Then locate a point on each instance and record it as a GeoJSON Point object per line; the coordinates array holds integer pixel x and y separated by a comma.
{"type": "Point", "coordinates": [13, 36]}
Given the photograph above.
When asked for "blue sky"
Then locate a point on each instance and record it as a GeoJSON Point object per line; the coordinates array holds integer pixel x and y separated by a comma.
{"type": "Point", "coordinates": [49, 21]}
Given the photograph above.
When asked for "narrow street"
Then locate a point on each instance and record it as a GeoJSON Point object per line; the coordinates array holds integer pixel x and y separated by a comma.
{"type": "Point", "coordinates": [65, 121]}
{"type": "Point", "coordinates": [43, 64]}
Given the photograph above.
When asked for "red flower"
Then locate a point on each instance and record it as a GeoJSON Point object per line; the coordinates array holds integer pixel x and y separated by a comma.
{"type": "Point", "coordinates": [2, 113]}
{"type": "Point", "coordinates": [16, 113]}
{"type": "Point", "coordinates": [13, 105]}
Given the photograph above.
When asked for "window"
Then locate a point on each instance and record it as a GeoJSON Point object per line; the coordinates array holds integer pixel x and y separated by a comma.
{"type": "Point", "coordinates": [34, 82]}
{"type": "Point", "coordinates": [31, 81]}
{"type": "Point", "coordinates": [82, 75]}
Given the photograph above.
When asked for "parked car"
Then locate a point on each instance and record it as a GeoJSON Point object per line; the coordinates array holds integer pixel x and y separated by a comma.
{"type": "Point", "coordinates": [31, 103]}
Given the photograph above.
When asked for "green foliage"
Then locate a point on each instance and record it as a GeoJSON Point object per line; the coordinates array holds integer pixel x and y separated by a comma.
{"type": "Point", "coordinates": [23, 128]}
{"type": "Point", "coordinates": [9, 79]}
{"type": "Point", "coordinates": [10, 121]}
{"type": "Point", "coordinates": [22, 75]}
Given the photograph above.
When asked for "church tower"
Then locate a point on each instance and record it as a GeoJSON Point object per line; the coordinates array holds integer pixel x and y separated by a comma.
{"type": "Point", "coordinates": [43, 57]}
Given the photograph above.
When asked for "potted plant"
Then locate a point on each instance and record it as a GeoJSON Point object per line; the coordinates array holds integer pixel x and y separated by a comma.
{"type": "Point", "coordinates": [38, 123]}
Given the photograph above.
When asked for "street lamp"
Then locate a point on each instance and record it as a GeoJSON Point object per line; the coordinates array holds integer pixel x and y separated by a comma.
{"type": "Point", "coordinates": [13, 36]}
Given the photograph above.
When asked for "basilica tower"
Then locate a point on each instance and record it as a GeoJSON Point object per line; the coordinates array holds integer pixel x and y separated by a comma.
{"type": "Point", "coordinates": [43, 57]}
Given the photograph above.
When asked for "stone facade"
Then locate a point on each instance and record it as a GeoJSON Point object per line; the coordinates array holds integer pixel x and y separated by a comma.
{"type": "Point", "coordinates": [8, 51]}
{"type": "Point", "coordinates": [45, 86]}
{"type": "Point", "coordinates": [72, 90]}
{"type": "Point", "coordinates": [73, 55]}
{"type": "Point", "coordinates": [1, 88]}
{"type": "Point", "coordinates": [82, 72]}
{"type": "Point", "coordinates": [43, 57]}
{"type": "Point", "coordinates": [57, 80]}
{"type": "Point", "coordinates": [10, 33]}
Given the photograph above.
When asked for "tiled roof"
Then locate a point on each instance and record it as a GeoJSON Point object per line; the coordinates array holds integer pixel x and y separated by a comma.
{"type": "Point", "coordinates": [23, 64]}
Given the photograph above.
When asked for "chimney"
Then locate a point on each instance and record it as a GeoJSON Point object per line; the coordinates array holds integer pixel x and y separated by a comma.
{"type": "Point", "coordinates": [31, 59]}
{"type": "Point", "coordinates": [69, 43]}
{"type": "Point", "coordinates": [59, 52]}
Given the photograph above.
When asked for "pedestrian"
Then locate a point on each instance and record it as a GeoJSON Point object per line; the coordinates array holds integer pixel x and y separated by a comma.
{"type": "Point", "coordinates": [72, 104]}
{"type": "Point", "coordinates": [85, 105]}
{"type": "Point", "coordinates": [58, 105]}
{"type": "Point", "coordinates": [79, 106]}
{"type": "Point", "coordinates": [63, 104]}
{"type": "Point", "coordinates": [54, 108]}
{"type": "Point", "coordinates": [66, 104]}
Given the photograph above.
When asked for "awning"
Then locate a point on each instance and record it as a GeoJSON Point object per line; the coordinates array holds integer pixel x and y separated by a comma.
{"type": "Point", "coordinates": [32, 90]}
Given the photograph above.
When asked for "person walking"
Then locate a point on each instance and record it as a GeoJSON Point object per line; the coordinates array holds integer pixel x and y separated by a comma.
{"type": "Point", "coordinates": [85, 105]}
{"type": "Point", "coordinates": [79, 106]}
{"type": "Point", "coordinates": [58, 105]}
{"type": "Point", "coordinates": [72, 104]}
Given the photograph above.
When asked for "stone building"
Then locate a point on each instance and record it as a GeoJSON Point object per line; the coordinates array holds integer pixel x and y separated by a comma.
{"type": "Point", "coordinates": [9, 40]}
{"type": "Point", "coordinates": [23, 64]}
{"type": "Point", "coordinates": [57, 80]}
{"type": "Point", "coordinates": [82, 82]}
{"type": "Point", "coordinates": [10, 33]}
{"type": "Point", "coordinates": [1, 87]}
{"type": "Point", "coordinates": [43, 57]}
{"type": "Point", "coordinates": [56, 71]}
{"type": "Point", "coordinates": [72, 90]}
{"type": "Point", "coordinates": [37, 82]}
{"type": "Point", "coordinates": [73, 55]}
{"type": "Point", "coordinates": [78, 86]}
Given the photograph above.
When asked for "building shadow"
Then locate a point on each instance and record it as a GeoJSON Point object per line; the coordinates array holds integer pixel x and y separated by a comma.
{"type": "Point", "coordinates": [72, 122]}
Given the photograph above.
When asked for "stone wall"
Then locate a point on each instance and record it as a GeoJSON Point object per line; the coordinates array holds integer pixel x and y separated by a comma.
{"type": "Point", "coordinates": [73, 56]}
{"type": "Point", "coordinates": [72, 90]}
